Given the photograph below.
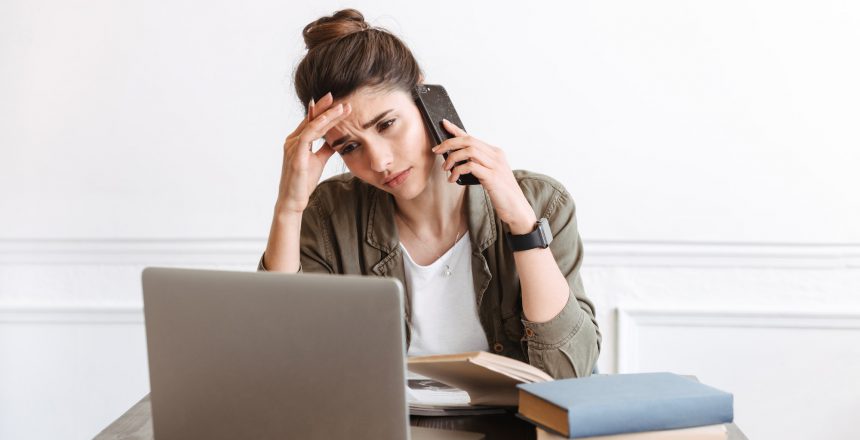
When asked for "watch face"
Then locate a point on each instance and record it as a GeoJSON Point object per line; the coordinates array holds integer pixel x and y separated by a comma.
{"type": "Point", "coordinates": [545, 231]}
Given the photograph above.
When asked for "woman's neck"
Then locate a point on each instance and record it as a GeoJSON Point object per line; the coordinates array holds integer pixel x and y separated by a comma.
{"type": "Point", "coordinates": [438, 210]}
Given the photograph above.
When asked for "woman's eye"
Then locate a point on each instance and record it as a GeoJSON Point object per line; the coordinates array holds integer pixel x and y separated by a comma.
{"type": "Point", "coordinates": [386, 124]}
{"type": "Point", "coordinates": [347, 149]}
{"type": "Point", "coordinates": [382, 127]}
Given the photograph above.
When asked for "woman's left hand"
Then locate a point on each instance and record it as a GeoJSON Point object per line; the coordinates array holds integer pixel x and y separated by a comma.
{"type": "Point", "coordinates": [489, 165]}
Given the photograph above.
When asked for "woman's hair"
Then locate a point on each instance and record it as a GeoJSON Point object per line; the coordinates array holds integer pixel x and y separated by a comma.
{"type": "Point", "coordinates": [345, 53]}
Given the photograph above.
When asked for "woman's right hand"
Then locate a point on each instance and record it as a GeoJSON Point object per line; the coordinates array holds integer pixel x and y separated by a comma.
{"type": "Point", "coordinates": [302, 167]}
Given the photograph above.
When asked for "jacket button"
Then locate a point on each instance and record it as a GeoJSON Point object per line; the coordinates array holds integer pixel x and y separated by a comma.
{"type": "Point", "coordinates": [498, 347]}
{"type": "Point", "coordinates": [530, 332]}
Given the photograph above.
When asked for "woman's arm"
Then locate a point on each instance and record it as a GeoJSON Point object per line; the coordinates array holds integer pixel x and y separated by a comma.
{"type": "Point", "coordinates": [282, 249]}
{"type": "Point", "coordinates": [545, 289]}
{"type": "Point", "coordinates": [300, 172]}
{"type": "Point", "coordinates": [560, 326]}
{"type": "Point", "coordinates": [562, 334]}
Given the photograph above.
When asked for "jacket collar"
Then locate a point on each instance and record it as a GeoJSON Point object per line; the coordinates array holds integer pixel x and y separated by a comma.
{"type": "Point", "coordinates": [482, 218]}
{"type": "Point", "coordinates": [381, 231]}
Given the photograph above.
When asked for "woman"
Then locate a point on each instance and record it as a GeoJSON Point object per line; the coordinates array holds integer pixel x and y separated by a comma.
{"type": "Point", "coordinates": [399, 213]}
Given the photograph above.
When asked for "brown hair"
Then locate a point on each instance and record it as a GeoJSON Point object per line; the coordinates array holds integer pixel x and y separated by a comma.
{"type": "Point", "coordinates": [345, 53]}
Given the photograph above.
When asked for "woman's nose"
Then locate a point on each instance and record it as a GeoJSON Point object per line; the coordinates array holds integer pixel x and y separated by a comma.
{"type": "Point", "coordinates": [380, 156]}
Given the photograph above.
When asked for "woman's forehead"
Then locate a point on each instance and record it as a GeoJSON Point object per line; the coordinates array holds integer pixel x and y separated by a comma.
{"type": "Point", "coordinates": [367, 105]}
{"type": "Point", "coordinates": [371, 100]}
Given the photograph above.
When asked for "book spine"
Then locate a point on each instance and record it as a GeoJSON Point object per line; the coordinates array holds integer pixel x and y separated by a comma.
{"type": "Point", "coordinates": [541, 426]}
{"type": "Point", "coordinates": [650, 415]}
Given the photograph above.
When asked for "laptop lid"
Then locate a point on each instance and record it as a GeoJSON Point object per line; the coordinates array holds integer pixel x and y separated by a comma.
{"type": "Point", "coordinates": [258, 355]}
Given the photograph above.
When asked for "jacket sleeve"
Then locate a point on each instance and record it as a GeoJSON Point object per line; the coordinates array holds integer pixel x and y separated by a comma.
{"type": "Point", "coordinates": [568, 344]}
{"type": "Point", "coordinates": [262, 267]}
{"type": "Point", "coordinates": [315, 249]}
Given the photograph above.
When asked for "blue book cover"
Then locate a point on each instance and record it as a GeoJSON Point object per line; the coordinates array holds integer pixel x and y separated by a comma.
{"type": "Point", "coordinates": [608, 404]}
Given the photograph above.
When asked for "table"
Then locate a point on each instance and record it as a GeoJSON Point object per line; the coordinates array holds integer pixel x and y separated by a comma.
{"type": "Point", "coordinates": [136, 424]}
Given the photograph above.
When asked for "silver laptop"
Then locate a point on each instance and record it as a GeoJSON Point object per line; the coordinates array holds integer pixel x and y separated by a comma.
{"type": "Point", "coordinates": [263, 355]}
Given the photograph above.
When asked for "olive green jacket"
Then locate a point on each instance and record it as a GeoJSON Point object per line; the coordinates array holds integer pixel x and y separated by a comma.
{"type": "Point", "coordinates": [348, 228]}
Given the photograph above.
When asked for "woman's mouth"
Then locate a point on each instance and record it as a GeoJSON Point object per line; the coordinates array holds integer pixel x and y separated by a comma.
{"type": "Point", "coordinates": [398, 179]}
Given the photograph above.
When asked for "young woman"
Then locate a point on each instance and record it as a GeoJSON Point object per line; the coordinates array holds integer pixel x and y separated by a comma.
{"type": "Point", "coordinates": [399, 213]}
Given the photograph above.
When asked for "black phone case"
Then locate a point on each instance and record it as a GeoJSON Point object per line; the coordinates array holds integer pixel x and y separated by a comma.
{"type": "Point", "coordinates": [435, 104]}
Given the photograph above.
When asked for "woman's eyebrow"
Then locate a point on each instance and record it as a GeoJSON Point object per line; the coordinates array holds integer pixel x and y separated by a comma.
{"type": "Point", "coordinates": [364, 127]}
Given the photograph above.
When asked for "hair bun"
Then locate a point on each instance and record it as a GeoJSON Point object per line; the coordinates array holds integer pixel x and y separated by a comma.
{"type": "Point", "coordinates": [335, 27]}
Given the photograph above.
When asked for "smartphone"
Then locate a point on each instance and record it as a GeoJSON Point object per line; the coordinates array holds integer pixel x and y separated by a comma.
{"type": "Point", "coordinates": [435, 104]}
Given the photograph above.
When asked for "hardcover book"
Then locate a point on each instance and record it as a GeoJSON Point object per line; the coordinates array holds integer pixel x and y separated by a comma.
{"type": "Point", "coordinates": [710, 432]}
{"type": "Point", "coordinates": [608, 404]}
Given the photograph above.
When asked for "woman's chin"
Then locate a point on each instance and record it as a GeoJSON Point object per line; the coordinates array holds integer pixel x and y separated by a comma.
{"type": "Point", "coordinates": [405, 192]}
{"type": "Point", "coordinates": [410, 189]}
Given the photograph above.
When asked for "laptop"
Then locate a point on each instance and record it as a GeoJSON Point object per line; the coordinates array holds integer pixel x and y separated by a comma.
{"type": "Point", "coordinates": [264, 355]}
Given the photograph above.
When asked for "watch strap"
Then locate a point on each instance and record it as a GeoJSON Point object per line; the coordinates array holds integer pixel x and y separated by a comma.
{"type": "Point", "coordinates": [540, 237]}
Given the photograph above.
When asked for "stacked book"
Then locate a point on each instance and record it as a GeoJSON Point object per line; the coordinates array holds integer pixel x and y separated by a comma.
{"type": "Point", "coordinates": [644, 406]}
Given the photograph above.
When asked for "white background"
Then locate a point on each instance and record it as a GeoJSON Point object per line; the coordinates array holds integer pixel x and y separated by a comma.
{"type": "Point", "coordinates": [711, 148]}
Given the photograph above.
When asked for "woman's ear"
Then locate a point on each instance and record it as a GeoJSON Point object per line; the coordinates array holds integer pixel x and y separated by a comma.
{"type": "Point", "coordinates": [420, 78]}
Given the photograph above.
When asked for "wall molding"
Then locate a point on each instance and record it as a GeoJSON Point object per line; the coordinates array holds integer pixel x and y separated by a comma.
{"type": "Point", "coordinates": [71, 314]}
{"type": "Point", "coordinates": [612, 253]}
{"type": "Point", "coordinates": [631, 320]}
{"type": "Point", "coordinates": [598, 253]}
{"type": "Point", "coordinates": [139, 251]}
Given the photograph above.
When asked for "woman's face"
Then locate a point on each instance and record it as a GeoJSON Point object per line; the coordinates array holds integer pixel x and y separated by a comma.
{"type": "Point", "coordinates": [384, 143]}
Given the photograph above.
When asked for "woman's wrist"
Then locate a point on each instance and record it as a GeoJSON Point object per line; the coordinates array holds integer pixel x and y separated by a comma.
{"type": "Point", "coordinates": [282, 249]}
{"type": "Point", "coordinates": [285, 214]}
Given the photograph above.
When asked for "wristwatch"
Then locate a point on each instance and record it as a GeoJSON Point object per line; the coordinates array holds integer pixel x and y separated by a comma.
{"type": "Point", "coordinates": [541, 237]}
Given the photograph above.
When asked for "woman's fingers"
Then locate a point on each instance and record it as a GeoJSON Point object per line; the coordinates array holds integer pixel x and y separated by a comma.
{"type": "Point", "coordinates": [325, 101]}
{"type": "Point", "coordinates": [321, 117]}
{"type": "Point", "coordinates": [453, 128]}
{"type": "Point", "coordinates": [322, 105]}
{"type": "Point", "coordinates": [347, 109]}
{"type": "Point", "coordinates": [473, 146]}
{"type": "Point", "coordinates": [454, 143]}
{"type": "Point", "coordinates": [324, 153]}
{"type": "Point", "coordinates": [308, 117]}
{"type": "Point", "coordinates": [323, 123]}
{"type": "Point", "coordinates": [469, 153]}
{"type": "Point", "coordinates": [479, 171]}
{"type": "Point", "coordinates": [314, 108]}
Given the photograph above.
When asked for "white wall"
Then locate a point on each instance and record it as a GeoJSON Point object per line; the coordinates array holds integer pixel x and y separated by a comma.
{"type": "Point", "coordinates": [711, 148]}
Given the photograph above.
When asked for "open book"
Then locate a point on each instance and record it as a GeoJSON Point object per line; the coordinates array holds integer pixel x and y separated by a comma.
{"type": "Point", "coordinates": [488, 379]}
{"type": "Point", "coordinates": [429, 397]}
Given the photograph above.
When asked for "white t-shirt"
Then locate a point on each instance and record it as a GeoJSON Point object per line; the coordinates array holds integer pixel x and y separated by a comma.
{"type": "Point", "coordinates": [442, 299]}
